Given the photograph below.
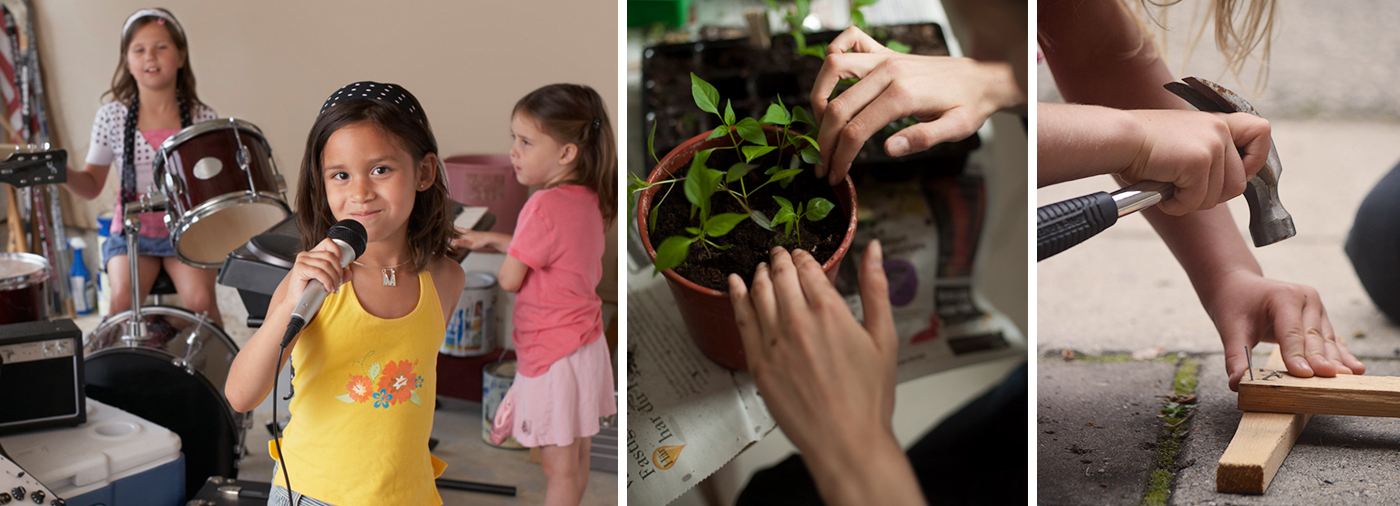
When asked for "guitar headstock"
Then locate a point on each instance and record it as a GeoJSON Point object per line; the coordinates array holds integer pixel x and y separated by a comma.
{"type": "Point", "coordinates": [29, 166]}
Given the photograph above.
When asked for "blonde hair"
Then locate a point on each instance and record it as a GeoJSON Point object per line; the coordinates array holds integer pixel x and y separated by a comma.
{"type": "Point", "coordinates": [1241, 27]}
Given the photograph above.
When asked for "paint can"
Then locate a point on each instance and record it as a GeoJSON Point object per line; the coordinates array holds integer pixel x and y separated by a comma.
{"type": "Point", "coordinates": [472, 330]}
{"type": "Point", "coordinates": [496, 379]}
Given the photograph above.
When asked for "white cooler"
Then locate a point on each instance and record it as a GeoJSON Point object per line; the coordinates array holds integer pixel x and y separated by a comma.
{"type": "Point", "coordinates": [115, 459]}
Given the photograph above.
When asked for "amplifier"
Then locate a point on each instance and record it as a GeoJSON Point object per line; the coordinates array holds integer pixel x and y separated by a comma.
{"type": "Point", "coordinates": [41, 375]}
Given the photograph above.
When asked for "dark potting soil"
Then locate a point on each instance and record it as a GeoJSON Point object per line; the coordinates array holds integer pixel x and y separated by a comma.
{"type": "Point", "coordinates": [710, 267]}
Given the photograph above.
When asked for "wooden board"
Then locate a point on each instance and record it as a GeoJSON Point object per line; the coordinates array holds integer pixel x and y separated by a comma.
{"type": "Point", "coordinates": [1261, 443]}
{"type": "Point", "coordinates": [1345, 394]}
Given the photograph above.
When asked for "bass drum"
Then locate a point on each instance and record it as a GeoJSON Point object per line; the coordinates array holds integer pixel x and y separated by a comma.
{"type": "Point", "coordinates": [173, 376]}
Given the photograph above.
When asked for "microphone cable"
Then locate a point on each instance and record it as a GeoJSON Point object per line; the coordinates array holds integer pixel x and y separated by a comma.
{"type": "Point", "coordinates": [293, 329]}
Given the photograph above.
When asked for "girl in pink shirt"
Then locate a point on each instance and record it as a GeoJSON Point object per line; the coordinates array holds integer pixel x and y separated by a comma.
{"type": "Point", "coordinates": [564, 142]}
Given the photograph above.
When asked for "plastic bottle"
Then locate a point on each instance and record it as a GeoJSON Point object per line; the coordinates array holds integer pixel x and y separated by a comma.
{"type": "Point", "coordinates": [84, 290]}
{"type": "Point", "coordinates": [104, 286]}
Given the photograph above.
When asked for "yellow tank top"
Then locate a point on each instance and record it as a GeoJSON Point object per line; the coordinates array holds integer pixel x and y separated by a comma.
{"type": "Point", "coordinates": [363, 404]}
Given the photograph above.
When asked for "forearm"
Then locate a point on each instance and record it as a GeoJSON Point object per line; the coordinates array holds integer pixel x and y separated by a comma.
{"type": "Point", "coordinates": [865, 472]}
{"type": "Point", "coordinates": [1078, 141]}
{"type": "Point", "coordinates": [1208, 246]}
{"type": "Point", "coordinates": [251, 374]}
{"type": "Point", "coordinates": [497, 240]}
{"type": "Point", "coordinates": [84, 183]}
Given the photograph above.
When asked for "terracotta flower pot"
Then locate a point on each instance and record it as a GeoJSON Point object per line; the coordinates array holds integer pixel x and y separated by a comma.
{"type": "Point", "coordinates": [708, 313]}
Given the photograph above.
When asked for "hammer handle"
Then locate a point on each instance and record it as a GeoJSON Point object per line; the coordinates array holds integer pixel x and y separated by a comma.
{"type": "Point", "coordinates": [1064, 224]}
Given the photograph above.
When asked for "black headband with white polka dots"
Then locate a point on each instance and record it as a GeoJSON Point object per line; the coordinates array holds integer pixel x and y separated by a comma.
{"type": "Point", "coordinates": [370, 90]}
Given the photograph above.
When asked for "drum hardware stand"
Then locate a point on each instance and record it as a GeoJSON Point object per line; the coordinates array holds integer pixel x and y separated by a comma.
{"type": "Point", "coordinates": [131, 223]}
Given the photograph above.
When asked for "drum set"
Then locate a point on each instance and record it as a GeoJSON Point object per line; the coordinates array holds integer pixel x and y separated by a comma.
{"type": "Point", "coordinates": [219, 186]}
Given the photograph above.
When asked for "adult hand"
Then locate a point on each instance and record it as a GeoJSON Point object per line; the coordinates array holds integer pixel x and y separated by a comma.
{"type": "Point", "coordinates": [1248, 309]}
{"type": "Point", "coordinates": [1209, 157]}
{"type": "Point", "coordinates": [952, 96]}
{"type": "Point", "coordinates": [828, 380]}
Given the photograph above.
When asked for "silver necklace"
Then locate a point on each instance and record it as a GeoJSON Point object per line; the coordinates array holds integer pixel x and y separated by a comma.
{"type": "Point", "coordinates": [388, 272]}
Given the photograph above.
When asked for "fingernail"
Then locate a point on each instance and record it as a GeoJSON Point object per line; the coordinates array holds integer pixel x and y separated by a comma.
{"type": "Point", "coordinates": [775, 250]}
{"type": "Point", "coordinates": [897, 146]}
{"type": "Point", "coordinates": [876, 252]}
{"type": "Point", "coordinates": [761, 266]}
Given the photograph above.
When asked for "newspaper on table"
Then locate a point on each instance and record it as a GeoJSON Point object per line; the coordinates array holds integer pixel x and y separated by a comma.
{"type": "Point", "coordinates": [687, 416]}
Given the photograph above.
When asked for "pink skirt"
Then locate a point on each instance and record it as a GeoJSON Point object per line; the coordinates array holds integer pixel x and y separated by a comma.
{"type": "Point", "coordinates": [567, 400]}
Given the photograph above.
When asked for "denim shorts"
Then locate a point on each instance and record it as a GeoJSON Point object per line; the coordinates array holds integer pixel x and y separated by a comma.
{"type": "Point", "coordinates": [146, 246]}
{"type": "Point", "coordinates": [278, 495]}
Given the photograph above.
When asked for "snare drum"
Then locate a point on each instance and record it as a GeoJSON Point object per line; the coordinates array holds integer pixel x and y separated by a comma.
{"type": "Point", "coordinates": [222, 188]}
{"type": "Point", "coordinates": [23, 278]}
{"type": "Point", "coordinates": [174, 377]}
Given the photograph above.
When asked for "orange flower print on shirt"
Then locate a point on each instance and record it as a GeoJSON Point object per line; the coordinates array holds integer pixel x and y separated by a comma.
{"type": "Point", "coordinates": [385, 384]}
{"type": "Point", "coordinates": [398, 379]}
{"type": "Point", "coordinates": [360, 387]}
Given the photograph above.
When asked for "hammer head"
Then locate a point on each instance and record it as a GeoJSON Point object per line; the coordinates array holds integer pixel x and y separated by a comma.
{"type": "Point", "coordinates": [1269, 222]}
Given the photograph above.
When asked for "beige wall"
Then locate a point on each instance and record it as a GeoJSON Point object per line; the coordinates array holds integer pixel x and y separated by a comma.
{"type": "Point", "coordinates": [273, 63]}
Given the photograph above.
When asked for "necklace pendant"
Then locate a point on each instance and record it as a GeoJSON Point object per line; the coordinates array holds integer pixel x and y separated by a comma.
{"type": "Point", "coordinates": [389, 278]}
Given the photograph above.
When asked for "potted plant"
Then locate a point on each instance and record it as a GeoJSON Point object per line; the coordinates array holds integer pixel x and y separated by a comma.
{"type": "Point", "coordinates": [743, 184]}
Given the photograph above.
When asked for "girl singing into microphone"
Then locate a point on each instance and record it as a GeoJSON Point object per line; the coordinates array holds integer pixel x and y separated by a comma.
{"type": "Point", "coordinates": [365, 364]}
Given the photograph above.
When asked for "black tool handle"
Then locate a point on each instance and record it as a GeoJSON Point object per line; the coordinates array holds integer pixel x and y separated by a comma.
{"type": "Point", "coordinates": [1064, 224]}
{"type": "Point", "coordinates": [472, 486]}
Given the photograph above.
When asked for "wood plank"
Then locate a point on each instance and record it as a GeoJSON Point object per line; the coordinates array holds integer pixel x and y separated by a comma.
{"type": "Point", "coordinates": [1260, 445]}
{"type": "Point", "coordinates": [1345, 394]}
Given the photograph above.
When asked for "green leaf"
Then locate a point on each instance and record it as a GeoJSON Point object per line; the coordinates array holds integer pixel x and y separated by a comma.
{"type": "Point", "coordinates": [898, 47]}
{"type": "Point", "coordinates": [413, 397]}
{"type": "Point", "coordinates": [737, 172]}
{"type": "Point", "coordinates": [803, 7]}
{"type": "Point", "coordinates": [819, 52]}
{"type": "Point", "coordinates": [761, 219]}
{"type": "Point", "coordinates": [784, 174]}
{"type": "Point", "coordinates": [783, 203]}
{"type": "Point", "coordinates": [810, 141]}
{"type": "Point", "coordinates": [374, 372]}
{"type": "Point", "coordinates": [651, 142]}
{"type": "Point", "coordinates": [818, 208]}
{"type": "Point", "coordinates": [858, 20]}
{"type": "Point", "coordinates": [752, 152]}
{"type": "Point", "coordinates": [717, 132]}
{"type": "Point", "coordinates": [800, 115]}
{"type": "Point", "coordinates": [798, 38]}
{"type": "Point", "coordinates": [860, 4]}
{"type": "Point", "coordinates": [810, 155]}
{"type": "Point", "coordinates": [651, 219]}
{"type": "Point", "coordinates": [771, 170]}
{"type": "Point", "coordinates": [772, 4]}
{"type": "Point", "coordinates": [696, 191]}
{"type": "Point", "coordinates": [721, 248]}
{"type": "Point", "coordinates": [672, 252]}
{"type": "Point", "coordinates": [345, 398]}
{"type": "Point", "coordinates": [721, 224]}
{"type": "Point", "coordinates": [693, 230]}
{"type": "Point", "coordinates": [706, 96]}
{"type": "Point", "coordinates": [751, 131]}
{"type": "Point", "coordinates": [728, 113]}
{"type": "Point", "coordinates": [776, 115]}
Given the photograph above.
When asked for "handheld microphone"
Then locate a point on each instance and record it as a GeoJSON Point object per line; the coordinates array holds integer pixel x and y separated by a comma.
{"type": "Point", "coordinates": [350, 237]}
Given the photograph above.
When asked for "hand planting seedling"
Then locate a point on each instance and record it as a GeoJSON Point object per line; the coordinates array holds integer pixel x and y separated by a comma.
{"type": "Point", "coordinates": [754, 149]}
